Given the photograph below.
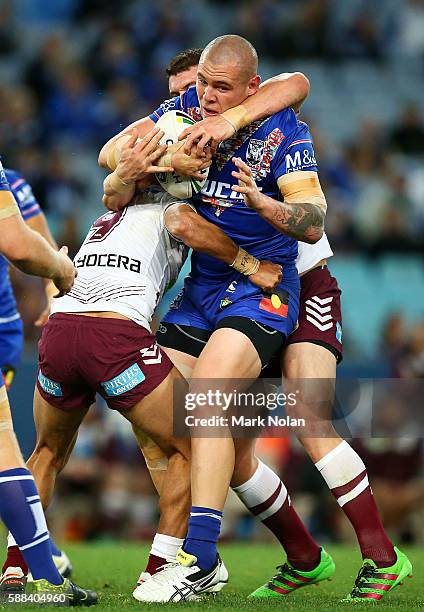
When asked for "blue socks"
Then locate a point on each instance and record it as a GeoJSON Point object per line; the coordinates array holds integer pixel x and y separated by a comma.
{"type": "Point", "coordinates": [203, 532]}
{"type": "Point", "coordinates": [22, 513]}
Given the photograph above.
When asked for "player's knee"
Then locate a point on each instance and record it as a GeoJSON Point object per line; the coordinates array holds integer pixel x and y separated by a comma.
{"type": "Point", "coordinates": [48, 457]}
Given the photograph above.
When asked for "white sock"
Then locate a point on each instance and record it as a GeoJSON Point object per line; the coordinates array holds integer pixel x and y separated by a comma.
{"type": "Point", "coordinates": [166, 546]}
{"type": "Point", "coordinates": [10, 540]}
{"type": "Point", "coordinates": [339, 467]}
{"type": "Point", "coordinates": [260, 490]}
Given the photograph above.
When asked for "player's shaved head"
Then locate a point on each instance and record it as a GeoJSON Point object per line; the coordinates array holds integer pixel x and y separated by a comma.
{"type": "Point", "coordinates": [227, 74]}
{"type": "Point", "coordinates": [232, 50]}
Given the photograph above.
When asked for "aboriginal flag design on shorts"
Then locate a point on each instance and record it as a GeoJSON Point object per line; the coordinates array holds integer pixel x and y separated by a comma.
{"type": "Point", "coordinates": [276, 303]}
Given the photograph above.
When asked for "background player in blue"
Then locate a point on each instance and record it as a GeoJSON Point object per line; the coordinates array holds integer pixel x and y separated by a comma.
{"type": "Point", "coordinates": [219, 306]}
{"type": "Point", "coordinates": [20, 506]}
{"type": "Point", "coordinates": [11, 328]}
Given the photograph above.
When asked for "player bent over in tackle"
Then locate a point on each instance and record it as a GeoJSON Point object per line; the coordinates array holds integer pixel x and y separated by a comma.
{"type": "Point", "coordinates": [98, 337]}
{"type": "Point", "coordinates": [20, 507]}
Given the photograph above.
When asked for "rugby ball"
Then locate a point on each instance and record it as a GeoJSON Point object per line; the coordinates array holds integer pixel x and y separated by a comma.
{"type": "Point", "coordinates": [173, 123]}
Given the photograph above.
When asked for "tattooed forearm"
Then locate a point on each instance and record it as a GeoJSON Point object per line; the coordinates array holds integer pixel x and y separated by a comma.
{"type": "Point", "coordinates": [304, 222]}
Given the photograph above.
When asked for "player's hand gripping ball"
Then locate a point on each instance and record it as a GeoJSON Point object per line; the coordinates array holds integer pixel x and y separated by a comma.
{"type": "Point", "coordinates": [173, 123]}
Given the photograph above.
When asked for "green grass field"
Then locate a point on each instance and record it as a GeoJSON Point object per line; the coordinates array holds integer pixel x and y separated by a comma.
{"type": "Point", "coordinates": [112, 569]}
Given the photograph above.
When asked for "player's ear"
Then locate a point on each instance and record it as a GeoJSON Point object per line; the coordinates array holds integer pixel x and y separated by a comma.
{"type": "Point", "coordinates": [253, 85]}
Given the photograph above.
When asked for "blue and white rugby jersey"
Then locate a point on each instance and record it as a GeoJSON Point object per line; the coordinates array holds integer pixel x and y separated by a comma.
{"type": "Point", "coordinates": [271, 148]}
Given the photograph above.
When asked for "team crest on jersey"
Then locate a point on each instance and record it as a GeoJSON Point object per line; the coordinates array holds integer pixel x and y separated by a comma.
{"type": "Point", "coordinates": [254, 152]}
{"type": "Point", "coordinates": [261, 158]}
{"type": "Point", "coordinates": [104, 226]}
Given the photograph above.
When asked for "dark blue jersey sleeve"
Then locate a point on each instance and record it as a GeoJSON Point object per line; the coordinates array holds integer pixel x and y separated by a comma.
{"type": "Point", "coordinates": [168, 105]}
{"type": "Point", "coordinates": [23, 194]}
{"type": "Point", "coordinates": [187, 102]}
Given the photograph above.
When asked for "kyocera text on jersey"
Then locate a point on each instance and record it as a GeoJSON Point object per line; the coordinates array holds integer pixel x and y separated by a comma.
{"type": "Point", "coordinates": [108, 260]}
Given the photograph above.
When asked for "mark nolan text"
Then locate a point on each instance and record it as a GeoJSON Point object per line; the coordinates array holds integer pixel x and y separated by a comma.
{"type": "Point", "coordinates": [242, 421]}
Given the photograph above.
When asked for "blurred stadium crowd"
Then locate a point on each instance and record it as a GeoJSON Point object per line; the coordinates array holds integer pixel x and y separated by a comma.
{"type": "Point", "coordinates": [74, 72]}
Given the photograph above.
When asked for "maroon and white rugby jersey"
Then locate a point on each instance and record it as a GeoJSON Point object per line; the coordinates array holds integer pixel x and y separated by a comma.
{"type": "Point", "coordinates": [126, 262]}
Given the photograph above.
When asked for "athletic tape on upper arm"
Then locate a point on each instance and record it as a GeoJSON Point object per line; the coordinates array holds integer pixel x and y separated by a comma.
{"type": "Point", "coordinates": [302, 187]}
